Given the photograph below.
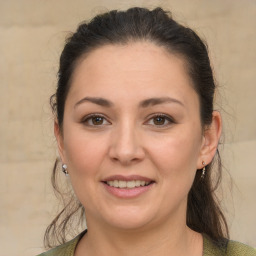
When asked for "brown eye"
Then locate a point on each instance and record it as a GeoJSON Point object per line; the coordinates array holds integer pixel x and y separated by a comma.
{"type": "Point", "coordinates": [159, 120]}
{"type": "Point", "coordinates": [95, 120]}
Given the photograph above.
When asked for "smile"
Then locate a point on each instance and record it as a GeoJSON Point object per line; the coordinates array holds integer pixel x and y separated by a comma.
{"type": "Point", "coordinates": [127, 184]}
{"type": "Point", "coordinates": [128, 187]}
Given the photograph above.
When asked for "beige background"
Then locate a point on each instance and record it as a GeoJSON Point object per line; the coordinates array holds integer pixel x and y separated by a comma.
{"type": "Point", "coordinates": [31, 37]}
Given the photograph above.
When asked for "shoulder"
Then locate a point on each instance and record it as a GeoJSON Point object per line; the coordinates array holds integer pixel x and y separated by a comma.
{"type": "Point", "coordinates": [226, 248]}
{"type": "Point", "coordinates": [66, 249]}
{"type": "Point", "coordinates": [237, 249]}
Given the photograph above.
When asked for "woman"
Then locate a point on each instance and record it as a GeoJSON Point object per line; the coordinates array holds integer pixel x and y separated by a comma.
{"type": "Point", "coordinates": [138, 136]}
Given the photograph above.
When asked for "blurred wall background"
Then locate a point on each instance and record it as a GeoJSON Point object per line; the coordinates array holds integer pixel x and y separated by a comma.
{"type": "Point", "coordinates": [32, 33]}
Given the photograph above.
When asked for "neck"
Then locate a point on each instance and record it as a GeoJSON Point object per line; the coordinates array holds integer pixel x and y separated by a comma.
{"type": "Point", "coordinates": [175, 239]}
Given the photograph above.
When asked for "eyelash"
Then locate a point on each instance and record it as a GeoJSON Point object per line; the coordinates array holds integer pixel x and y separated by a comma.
{"type": "Point", "coordinates": [166, 118]}
{"type": "Point", "coordinates": [91, 116]}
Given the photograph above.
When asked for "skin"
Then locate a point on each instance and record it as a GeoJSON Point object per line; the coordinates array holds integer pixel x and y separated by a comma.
{"type": "Point", "coordinates": [128, 139]}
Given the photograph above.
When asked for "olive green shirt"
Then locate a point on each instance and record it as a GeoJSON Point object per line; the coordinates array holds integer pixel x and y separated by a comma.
{"type": "Point", "coordinates": [229, 248]}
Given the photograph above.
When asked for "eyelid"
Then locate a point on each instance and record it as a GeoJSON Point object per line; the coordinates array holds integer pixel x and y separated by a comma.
{"type": "Point", "coordinates": [167, 117]}
{"type": "Point", "coordinates": [149, 118]}
{"type": "Point", "coordinates": [88, 117]}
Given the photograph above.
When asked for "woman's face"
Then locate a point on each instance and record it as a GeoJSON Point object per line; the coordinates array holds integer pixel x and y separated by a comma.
{"type": "Point", "coordinates": [132, 135]}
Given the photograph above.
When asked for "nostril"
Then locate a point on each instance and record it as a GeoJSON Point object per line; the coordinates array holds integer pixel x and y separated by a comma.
{"type": "Point", "coordinates": [126, 149]}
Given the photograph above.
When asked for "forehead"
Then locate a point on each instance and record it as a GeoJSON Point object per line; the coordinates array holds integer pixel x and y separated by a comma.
{"type": "Point", "coordinates": [141, 67]}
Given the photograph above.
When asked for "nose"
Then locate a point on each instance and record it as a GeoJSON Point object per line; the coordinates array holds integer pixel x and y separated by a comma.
{"type": "Point", "coordinates": [126, 147]}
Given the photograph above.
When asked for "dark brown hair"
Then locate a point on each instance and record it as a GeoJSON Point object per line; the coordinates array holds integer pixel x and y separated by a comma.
{"type": "Point", "coordinates": [157, 26]}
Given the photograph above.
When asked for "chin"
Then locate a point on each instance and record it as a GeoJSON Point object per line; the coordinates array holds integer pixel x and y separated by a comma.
{"type": "Point", "coordinates": [129, 218]}
{"type": "Point", "coordinates": [129, 224]}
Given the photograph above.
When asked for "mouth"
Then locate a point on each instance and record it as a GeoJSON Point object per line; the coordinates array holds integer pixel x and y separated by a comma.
{"type": "Point", "coordinates": [128, 184]}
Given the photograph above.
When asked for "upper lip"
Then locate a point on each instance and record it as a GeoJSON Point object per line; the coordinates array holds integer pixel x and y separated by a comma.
{"type": "Point", "coordinates": [127, 178]}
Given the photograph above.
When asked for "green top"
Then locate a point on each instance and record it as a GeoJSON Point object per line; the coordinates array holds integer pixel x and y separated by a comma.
{"type": "Point", "coordinates": [230, 248]}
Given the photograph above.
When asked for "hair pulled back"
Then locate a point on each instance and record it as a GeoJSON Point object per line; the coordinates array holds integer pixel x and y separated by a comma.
{"type": "Point", "coordinates": [157, 26]}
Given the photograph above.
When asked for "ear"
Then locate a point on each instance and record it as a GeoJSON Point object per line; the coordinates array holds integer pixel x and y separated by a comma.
{"type": "Point", "coordinates": [210, 140]}
{"type": "Point", "coordinates": [59, 138]}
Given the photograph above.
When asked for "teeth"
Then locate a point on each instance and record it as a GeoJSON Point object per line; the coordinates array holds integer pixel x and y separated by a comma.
{"type": "Point", "coordinates": [137, 183]}
{"type": "Point", "coordinates": [122, 184]}
{"type": "Point", "coordinates": [130, 184]}
{"type": "Point", "coordinates": [115, 183]}
{"type": "Point", "coordinates": [127, 184]}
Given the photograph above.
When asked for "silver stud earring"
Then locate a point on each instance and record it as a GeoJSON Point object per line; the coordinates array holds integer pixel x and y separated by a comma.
{"type": "Point", "coordinates": [64, 169]}
{"type": "Point", "coordinates": [203, 171]}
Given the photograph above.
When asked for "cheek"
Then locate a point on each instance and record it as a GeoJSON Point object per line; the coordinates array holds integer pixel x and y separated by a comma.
{"type": "Point", "coordinates": [84, 153]}
{"type": "Point", "coordinates": [176, 154]}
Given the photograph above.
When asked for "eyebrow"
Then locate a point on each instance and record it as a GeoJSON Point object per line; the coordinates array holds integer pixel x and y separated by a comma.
{"type": "Point", "coordinates": [98, 101]}
{"type": "Point", "coordinates": [157, 101]}
{"type": "Point", "coordinates": [143, 104]}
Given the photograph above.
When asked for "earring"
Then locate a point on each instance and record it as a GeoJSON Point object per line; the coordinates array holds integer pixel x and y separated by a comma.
{"type": "Point", "coordinates": [203, 171]}
{"type": "Point", "coordinates": [64, 169]}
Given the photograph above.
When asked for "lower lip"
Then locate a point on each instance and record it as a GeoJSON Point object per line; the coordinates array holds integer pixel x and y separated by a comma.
{"type": "Point", "coordinates": [127, 192]}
